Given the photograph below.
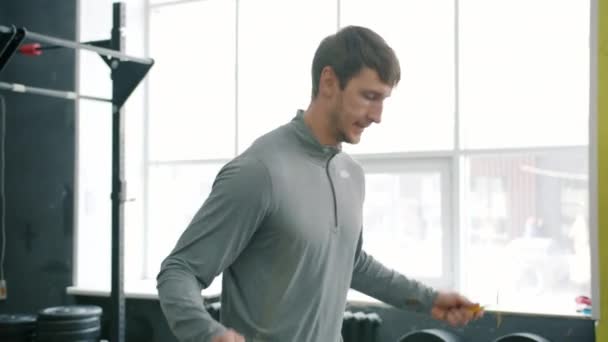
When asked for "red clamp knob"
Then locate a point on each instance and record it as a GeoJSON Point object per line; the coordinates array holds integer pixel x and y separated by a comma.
{"type": "Point", "coordinates": [30, 49]}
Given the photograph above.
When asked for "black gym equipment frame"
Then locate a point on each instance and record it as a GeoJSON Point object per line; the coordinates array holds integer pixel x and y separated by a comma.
{"type": "Point", "coordinates": [126, 73]}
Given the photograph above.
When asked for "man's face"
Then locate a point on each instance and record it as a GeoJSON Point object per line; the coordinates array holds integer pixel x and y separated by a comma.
{"type": "Point", "coordinates": [358, 105]}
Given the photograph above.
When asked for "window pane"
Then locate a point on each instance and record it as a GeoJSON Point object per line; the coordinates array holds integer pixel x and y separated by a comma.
{"type": "Point", "coordinates": [403, 220]}
{"type": "Point", "coordinates": [420, 113]}
{"type": "Point", "coordinates": [275, 59]}
{"type": "Point", "coordinates": [526, 230]}
{"type": "Point", "coordinates": [175, 193]}
{"type": "Point", "coordinates": [94, 186]}
{"type": "Point", "coordinates": [524, 73]}
{"type": "Point", "coordinates": [192, 84]}
{"type": "Point", "coordinates": [95, 23]}
{"type": "Point", "coordinates": [406, 214]}
{"type": "Point", "coordinates": [94, 151]}
{"type": "Point", "coordinates": [161, 2]}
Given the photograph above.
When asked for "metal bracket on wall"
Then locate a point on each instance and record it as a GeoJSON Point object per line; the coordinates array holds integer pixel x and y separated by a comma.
{"type": "Point", "coordinates": [10, 40]}
{"type": "Point", "coordinates": [127, 71]}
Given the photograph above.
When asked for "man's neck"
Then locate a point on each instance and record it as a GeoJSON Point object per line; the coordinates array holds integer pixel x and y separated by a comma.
{"type": "Point", "coordinates": [317, 119]}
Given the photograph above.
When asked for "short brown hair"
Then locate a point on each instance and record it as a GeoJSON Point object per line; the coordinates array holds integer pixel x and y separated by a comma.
{"type": "Point", "coordinates": [351, 49]}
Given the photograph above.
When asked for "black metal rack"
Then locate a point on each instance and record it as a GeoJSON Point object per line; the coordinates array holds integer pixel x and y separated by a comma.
{"type": "Point", "coordinates": [126, 73]}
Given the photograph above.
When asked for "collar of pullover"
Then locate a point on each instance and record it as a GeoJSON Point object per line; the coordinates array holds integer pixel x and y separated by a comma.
{"type": "Point", "coordinates": [310, 142]}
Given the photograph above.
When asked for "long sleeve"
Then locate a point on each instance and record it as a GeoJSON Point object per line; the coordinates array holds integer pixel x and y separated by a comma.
{"type": "Point", "coordinates": [240, 200]}
{"type": "Point", "coordinates": [376, 280]}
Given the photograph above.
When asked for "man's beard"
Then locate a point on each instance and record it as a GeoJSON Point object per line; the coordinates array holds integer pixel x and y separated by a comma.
{"type": "Point", "coordinates": [339, 133]}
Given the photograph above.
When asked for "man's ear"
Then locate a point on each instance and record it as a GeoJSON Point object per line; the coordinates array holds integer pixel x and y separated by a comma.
{"type": "Point", "coordinates": [328, 82]}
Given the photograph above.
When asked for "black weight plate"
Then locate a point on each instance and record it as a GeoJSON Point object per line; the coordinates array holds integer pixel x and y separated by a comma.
{"type": "Point", "coordinates": [70, 312]}
{"type": "Point", "coordinates": [68, 325]}
{"type": "Point", "coordinates": [521, 337]}
{"type": "Point", "coordinates": [16, 325]}
{"type": "Point", "coordinates": [69, 336]}
{"type": "Point", "coordinates": [430, 335]}
{"type": "Point", "coordinates": [17, 330]}
{"type": "Point", "coordinates": [17, 339]}
{"type": "Point", "coordinates": [13, 320]}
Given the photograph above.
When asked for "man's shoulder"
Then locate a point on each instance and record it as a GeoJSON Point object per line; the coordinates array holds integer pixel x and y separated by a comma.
{"type": "Point", "coordinates": [270, 144]}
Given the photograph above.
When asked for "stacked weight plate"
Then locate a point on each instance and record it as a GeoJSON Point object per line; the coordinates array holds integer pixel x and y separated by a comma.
{"type": "Point", "coordinates": [17, 328]}
{"type": "Point", "coordinates": [430, 335]}
{"type": "Point", "coordinates": [75, 323]}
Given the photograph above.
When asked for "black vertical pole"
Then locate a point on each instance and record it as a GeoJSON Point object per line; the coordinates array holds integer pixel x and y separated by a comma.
{"type": "Point", "coordinates": [117, 332]}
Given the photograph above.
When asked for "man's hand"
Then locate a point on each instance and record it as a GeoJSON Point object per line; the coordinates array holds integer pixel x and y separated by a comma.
{"type": "Point", "coordinates": [455, 309]}
{"type": "Point", "coordinates": [229, 336]}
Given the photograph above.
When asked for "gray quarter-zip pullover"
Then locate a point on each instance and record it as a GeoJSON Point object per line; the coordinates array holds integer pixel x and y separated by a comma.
{"type": "Point", "coordinates": [283, 223]}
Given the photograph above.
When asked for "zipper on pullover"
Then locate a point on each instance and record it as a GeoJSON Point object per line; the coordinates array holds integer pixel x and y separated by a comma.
{"type": "Point", "coordinates": [333, 192]}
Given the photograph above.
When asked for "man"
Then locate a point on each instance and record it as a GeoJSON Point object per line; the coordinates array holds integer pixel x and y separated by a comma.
{"type": "Point", "coordinates": [283, 221]}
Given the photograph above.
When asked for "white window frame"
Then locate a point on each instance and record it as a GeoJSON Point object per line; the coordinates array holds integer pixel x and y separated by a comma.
{"type": "Point", "coordinates": [401, 163]}
{"type": "Point", "coordinates": [448, 163]}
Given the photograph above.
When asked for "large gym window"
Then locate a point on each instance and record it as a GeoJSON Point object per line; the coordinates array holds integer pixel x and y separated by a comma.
{"type": "Point", "coordinates": [477, 178]}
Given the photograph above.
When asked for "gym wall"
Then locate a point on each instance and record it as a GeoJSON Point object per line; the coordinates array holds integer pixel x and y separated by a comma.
{"type": "Point", "coordinates": [39, 173]}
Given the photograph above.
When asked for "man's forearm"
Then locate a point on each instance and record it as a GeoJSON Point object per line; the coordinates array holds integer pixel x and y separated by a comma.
{"type": "Point", "coordinates": [182, 304]}
{"type": "Point", "coordinates": [391, 287]}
